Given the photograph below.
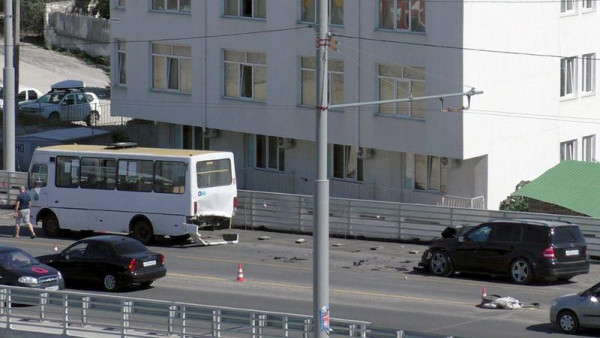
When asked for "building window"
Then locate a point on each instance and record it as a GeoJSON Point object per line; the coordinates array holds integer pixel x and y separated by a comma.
{"type": "Point", "coordinates": [398, 82]}
{"type": "Point", "coordinates": [588, 5]}
{"type": "Point", "coordinates": [172, 67]}
{"type": "Point", "coordinates": [246, 8]}
{"type": "Point", "coordinates": [402, 15]}
{"type": "Point", "coordinates": [192, 138]}
{"type": "Point", "coordinates": [568, 6]}
{"type": "Point", "coordinates": [172, 5]}
{"type": "Point", "coordinates": [346, 164]}
{"type": "Point", "coordinates": [269, 155]}
{"type": "Point", "coordinates": [588, 151]}
{"type": "Point", "coordinates": [568, 150]}
{"type": "Point", "coordinates": [121, 3]}
{"type": "Point", "coordinates": [335, 74]}
{"type": "Point", "coordinates": [588, 72]}
{"type": "Point", "coordinates": [430, 174]}
{"type": "Point", "coordinates": [568, 71]}
{"type": "Point", "coordinates": [246, 75]}
{"type": "Point", "coordinates": [336, 11]}
{"type": "Point", "coordinates": [121, 61]}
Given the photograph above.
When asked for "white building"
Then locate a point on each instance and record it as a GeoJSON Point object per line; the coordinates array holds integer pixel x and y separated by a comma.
{"type": "Point", "coordinates": [244, 69]}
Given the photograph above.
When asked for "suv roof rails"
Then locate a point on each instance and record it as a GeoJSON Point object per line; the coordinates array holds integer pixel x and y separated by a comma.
{"type": "Point", "coordinates": [121, 145]}
{"type": "Point", "coordinates": [538, 221]}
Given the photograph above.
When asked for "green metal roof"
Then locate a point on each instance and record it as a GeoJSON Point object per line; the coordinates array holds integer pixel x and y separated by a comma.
{"type": "Point", "coordinates": [571, 184]}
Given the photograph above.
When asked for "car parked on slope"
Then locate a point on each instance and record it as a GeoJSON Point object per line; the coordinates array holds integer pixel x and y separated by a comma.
{"type": "Point", "coordinates": [25, 94]}
{"type": "Point", "coordinates": [66, 101]}
{"type": "Point", "coordinates": [574, 311]}
{"type": "Point", "coordinates": [18, 268]}
{"type": "Point", "coordinates": [524, 249]}
{"type": "Point", "coordinates": [115, 261]}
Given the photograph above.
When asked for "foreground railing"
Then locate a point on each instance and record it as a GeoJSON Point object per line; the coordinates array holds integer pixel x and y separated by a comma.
{"type": "Point", "coordinates": [85, 314]}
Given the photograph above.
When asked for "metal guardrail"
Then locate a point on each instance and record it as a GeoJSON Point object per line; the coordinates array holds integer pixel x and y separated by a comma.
{"type": "Point", "coordinates": [85, 314]}
{"type": "Point", "coordinates": [380, 220]}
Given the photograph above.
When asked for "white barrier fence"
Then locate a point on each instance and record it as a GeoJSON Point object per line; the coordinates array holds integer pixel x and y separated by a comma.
{"type": "Point", "coordinates": [380, 220]}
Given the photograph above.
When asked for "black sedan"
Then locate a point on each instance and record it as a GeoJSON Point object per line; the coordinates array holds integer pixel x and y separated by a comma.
{"type": "Point", "coordinates": [18, 268]}
{"type": "Point", "coordinates": [115, 261]}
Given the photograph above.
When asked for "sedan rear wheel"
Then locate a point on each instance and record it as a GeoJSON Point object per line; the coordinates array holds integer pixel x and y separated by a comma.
{"type": "Point", "coordinates": [440, 264]}
{"type": "Point", "coordinates": [110, 282]}
{"type": "Point", "coordinates": [568, 322]}
{"type": "Point", "coordinates": [520, 271]}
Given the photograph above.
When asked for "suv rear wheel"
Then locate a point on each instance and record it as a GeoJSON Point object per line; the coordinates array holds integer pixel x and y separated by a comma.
{"type": "Point", "coordinates": [520, 271]}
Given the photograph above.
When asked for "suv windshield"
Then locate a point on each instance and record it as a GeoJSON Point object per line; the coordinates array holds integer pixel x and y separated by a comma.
{"type": "Point", "coordinates": [51, 98]}
{"type": "Point", "coordinates": [570, 234]}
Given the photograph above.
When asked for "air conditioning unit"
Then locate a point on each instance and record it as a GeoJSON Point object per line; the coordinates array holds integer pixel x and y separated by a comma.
{"type": "Point", "coordinates": [456, 163]}
{"type": "Point", "coordinates": [211, 133]}
{"type": "Point", "coordinates": [364, 153]}
{"type": "Point", "coordinates": [284, 142]}
{"type": "Point", "coordinates": [444, 161]}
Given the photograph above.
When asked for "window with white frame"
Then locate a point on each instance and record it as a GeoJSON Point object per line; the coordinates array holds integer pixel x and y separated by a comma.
{"type": "Point", "coordinates": [588, 73]}
{"type": "Point", "coordinates": [568, 150]}
{"type": "Point", "coordinates": [121, 3]}
{"type": "Point", "coordinates": [567, 6]}
{"type": "Point", "coordinates": [568, 76]}
{"type": "Point", "coordinates": [429, 173]}
{"type": "Point", "coordinates": [588, 149]}
{"type": "Point", "coordinates": [184, 6]}
{"type": "Point", "coordinates": [588, 5]}
{"type": "Point", "coordinates": [402, 15]}
{"type": "Point", "coordinates": [346, 164]}
{"type": "Point", "coordinates": [246, 8]}
{"type": "Point", "coordinates": [398, 82]}
{"type": "Point", "coordinates": [309, 11]}
{"type": "Point", "coordinates": [245, 75]}
{"type": "Point", "coordinates": [269, 155]}
{"type": "Point", "coordinates": [172, 67]}
{"type": "Point", "coordinates": [335, 74]}
{"type": "Point", "coordinates": [121, 61]}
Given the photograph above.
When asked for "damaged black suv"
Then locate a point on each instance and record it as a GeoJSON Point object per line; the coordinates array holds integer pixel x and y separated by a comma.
{"type": "Point", "coordinates": [524, 249]}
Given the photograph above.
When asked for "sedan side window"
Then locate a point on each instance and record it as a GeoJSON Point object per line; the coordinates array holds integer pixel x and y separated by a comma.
{"type": "Point", "coordinates": [480, 234]}
{"type": "Point", "coordinates": [77, 250]}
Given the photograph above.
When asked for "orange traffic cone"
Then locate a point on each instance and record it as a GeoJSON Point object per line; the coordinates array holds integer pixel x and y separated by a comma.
{"type": "Point", "coordinates": [240, 277]}
{"type": "Point", "coordinates": [483, 293]}
{"type": "Point", "coordinates": [55, 247]}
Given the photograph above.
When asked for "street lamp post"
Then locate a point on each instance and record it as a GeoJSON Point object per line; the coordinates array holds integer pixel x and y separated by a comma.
{"type": "Point", "coordinates": [321, 216]}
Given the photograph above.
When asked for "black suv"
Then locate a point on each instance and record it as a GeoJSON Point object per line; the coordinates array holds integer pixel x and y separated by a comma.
{"type": "Point", "coordinates": [524, 249]}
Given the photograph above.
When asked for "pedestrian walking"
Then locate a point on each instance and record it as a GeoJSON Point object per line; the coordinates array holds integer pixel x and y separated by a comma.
{"type": "Point", "coordinates": [22, 212]}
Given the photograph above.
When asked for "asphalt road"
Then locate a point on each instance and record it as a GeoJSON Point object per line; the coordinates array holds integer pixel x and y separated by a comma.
{"type": "Point", "coordinates": [371, 281]}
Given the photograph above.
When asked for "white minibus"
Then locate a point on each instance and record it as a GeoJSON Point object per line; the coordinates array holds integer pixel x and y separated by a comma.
{"type": "Point", "coordinates": [123, 188]}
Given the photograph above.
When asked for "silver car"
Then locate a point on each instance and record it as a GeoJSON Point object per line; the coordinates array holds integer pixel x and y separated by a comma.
{"type": "Point", "coordinates": [573, 311]}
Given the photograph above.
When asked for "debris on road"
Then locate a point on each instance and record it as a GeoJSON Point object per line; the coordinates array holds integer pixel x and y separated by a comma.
{"type": "Point", "coordinates": [376, 248]}
{"type": "Point", "coordinates": [413, 252]}
{"type": "Point", "coordinates": [337, 244]}
{"type": "Point", "coordinates": [300, 240]}
{"type": "Point", "coordinates": [264, 238]}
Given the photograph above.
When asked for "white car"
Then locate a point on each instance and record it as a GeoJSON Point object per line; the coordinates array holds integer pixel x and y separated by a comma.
{"type": "Point", "coordinates": [66, 101]}
{"type": "Point", "coordinates": [25, 94]}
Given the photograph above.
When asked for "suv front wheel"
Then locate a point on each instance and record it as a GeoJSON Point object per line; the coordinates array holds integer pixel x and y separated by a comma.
{"type": "Point", "coordinates": [440, 264]}
{"type": "Point", "coordinates": [520, 271]}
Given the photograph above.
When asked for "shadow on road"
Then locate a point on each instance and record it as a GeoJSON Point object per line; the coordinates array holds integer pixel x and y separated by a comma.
{"type": "Point", "coordinates": [552, 329]}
